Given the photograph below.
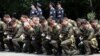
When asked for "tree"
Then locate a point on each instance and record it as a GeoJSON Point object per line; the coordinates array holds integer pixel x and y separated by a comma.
{"type": "Point", "coordinates": [73, 8]}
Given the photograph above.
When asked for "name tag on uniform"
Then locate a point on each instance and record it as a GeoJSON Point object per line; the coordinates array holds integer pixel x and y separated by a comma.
{"type": "Point", "coordinates": [22, 36]}
{"type": "Point", "coordinates": [48, 37]}
{"type": "Point", "coordinates": [9, 37]}
{"type": "Point", "coordinates": [50, 12]}
{"type": "Point", "coordinates": [5, 33]}
{"type": "Point", "coordinates": [43, 34]}
{"type": "Point", "coordinates": [33, 38]}
{"type": "Point", "coordinates": [80, 38]}
{"type": "Point", "coordinates": [32, 11]}
{"type": "Point", "coordinates": [81, 42]}
{"type": "Point", "coordinates": [60, 36]}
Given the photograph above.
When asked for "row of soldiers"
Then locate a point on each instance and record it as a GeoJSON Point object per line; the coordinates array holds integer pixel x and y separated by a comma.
{"type": "Point", "coordinates": [40, 35]}
{"type": "Point", "coordinates": [55, 12]}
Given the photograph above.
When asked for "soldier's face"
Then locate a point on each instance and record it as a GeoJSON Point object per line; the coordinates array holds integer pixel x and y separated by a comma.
{"type": "Point", "coordinates": [94, 24]}
{"type": "Point", "coordinates": [27, 27]}
{"type": "Point", "coordinates": [14, 25]}
{"type": "Point", "coordinates": [7, 19]}
{"type": "Point", "coordinates": [78, 23]}
{"type": "Point", "coordinates": [50, 5]}
{"type": "Point", "coordinates": [23, 19]}
{"type": "Point", "coordinates": [45, 23]}
{"type": "Point", "coordinates": [58, 5]}
{"type": "Point", "coordinates": [64, 22]}
{"type": "Point", "coordinates": [32, 6]}
{"type": "Point", "coordinates": [32, 24]}
{"type": "Point", "coordinates": [36, 21]}
{"type": "Point", "coordinates": [85, 26]}
{"type": "Point", "coordinates": [52, 22]}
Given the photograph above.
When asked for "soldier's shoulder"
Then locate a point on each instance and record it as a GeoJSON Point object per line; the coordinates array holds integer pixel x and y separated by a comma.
{"type": "Point", "coordinates": [31, 29]}
{"type": "Point", "coordinates": [1, 22]}
{"type": "Point", "coordinates": [18, 21]}
{"type": "Point", "coordinates": [98, 25]}
{"type": "Point", "coordinates": [58, 26]}
{"type": "Point", "coordinates": [19, 26]}
{"type": "Point", "coordinates": [70, 25]}
{"type": "Point", "coordinates": [91, 29]}
{"type": "Point", "coordinates": [75, 28]}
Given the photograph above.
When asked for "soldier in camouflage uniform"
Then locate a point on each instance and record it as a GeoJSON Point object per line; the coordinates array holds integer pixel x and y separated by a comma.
{"type": "Point", "coordinates": [2, 28]}
{"type": "Point", "coordinates": [67, 36]}
{"type": "Point", "coordinates": [12, 39]}
{"type": "Point", "coordinates": [95, 25]}
{"type": "Point", "coordinates": [37, 40]}
{"type": "Point", "coordinates": [54, 30]}
{"type": "Point", "coordinates": [8, 31]}
{"type": "Point", "coordinates": [15, 37]}
{"type": "Point", "coordinates": [87, 33]}
{"type": "Point", "coordinates": [46, 37]}
{"type": "Point", "coordinates": [76, 33]}
{"type": "Point", "coordinates": [28, 32]}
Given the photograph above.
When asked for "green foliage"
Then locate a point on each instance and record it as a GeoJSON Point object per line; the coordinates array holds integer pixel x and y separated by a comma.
{"type": "Point", "coordinates": [10, 6]}
{"type": "Point", "coordinates": [91, 15]}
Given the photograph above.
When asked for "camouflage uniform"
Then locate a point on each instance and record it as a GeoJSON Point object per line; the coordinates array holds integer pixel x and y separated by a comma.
{"type": "Point", "coordinates": [46, 39]}
{"type": "Point", "coordinates": [2, 28]}
{"type": "Point", "coordinates": [88, 37]}
{"type": "Point", "coordinates": [29, 33]}
{"type": "Point", "coordinates": [55, 41]}
{"type": "Point", "coordinates": [16, 39]}
{"type": "Point", "coordinates": [8, 36]}
{"type": "Point", "coordinates": [37, 40]}
{"type": "Point", "coordinates": [67, 38]}
{"type": "Point", "coordinates": [96, 28]}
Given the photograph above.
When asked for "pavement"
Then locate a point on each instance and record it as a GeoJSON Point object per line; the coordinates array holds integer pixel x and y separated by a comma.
{"type": "Point", "coordinates": [27, 54]}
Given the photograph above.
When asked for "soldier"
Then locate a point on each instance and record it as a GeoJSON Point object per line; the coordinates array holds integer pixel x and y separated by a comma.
{"type": "Point", "coordinates": [37, 41]}
{"type": "Point", "coordinates": [59, 12]}
{"type": "Point", "coordinates": [78, 21]}
{"type": "Point", "coordinates": [7, 18]}
{"type": "Point", "coordinates": [2, 28]}
{"type": "Point", "coordinates": [49, 40]}
{"type": "Point", "coordinates": [46, 39]}
{"type": "Point", "coordinates": [39, 10]}
{"type": "Point", "coordinates": [24, 18]}
{"type": "Point", "coordinates": [72, 22]}
{"type": "Point", "coordinates": [52, 12]}
{"type": "Point", "coordinates": [33, 11]}
{"type": "Point", "coordinates": [17, 21]}
{"type": "Point", "coordinates": [28, 32]}
{"type": "Point", "coordinates": [67, 37]}
{"type": "Point", "coordinates": [11, 33]}
{"type": "Point", "coordinates": [15, 38]}
{"type": "Point", "coordinates": [54, 30]}
{"type": "Point", "coordinates": [87, 33]}
{"type": "Point", "coordinates": [8, 31]}
{"type": "Point", "coordinates": [96, 27]}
